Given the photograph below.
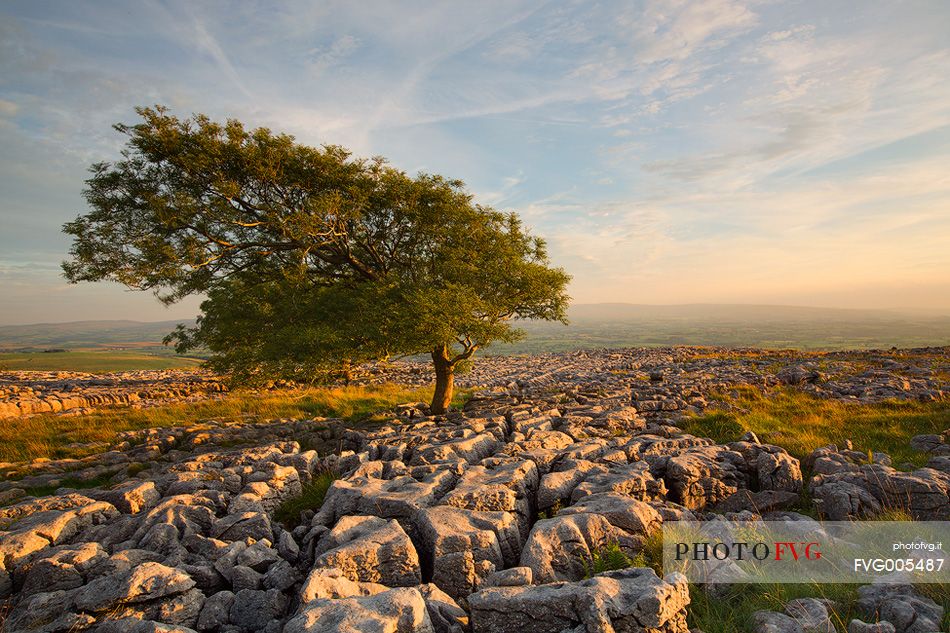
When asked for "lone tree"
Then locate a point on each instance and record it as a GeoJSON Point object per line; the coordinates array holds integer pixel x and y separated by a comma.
{"type": "Point", "coordinates": [309, 258]}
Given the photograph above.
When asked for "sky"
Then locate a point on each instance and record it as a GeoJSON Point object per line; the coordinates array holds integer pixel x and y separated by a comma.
{"type": "Point", "coordinates": [713, 151]}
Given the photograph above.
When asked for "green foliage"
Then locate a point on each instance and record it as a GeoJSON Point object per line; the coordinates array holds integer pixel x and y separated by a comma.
{"type": "Point", "coordinates": [309, 258]}
{"type": "Point", "coordinates": [652, 553]}
{"type": "Point", "coordinates": [311, 498]}
{"type": "Point", "coordinates": [266, 330]}
{"type": "Point", "coordinates": [607, 558]}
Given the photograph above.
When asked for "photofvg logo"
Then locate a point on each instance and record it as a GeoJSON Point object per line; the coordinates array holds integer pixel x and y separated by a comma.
{"type": "Point", "coordinates": [804, 550]}
{"type": "Point", "coordinates": [777, 550]}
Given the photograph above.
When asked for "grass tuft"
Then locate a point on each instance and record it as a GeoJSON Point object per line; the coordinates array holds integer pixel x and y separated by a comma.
{"type": "Point", "coordinates": [607, 558]}
{"type": "Point", "coordinates": [288, 512]}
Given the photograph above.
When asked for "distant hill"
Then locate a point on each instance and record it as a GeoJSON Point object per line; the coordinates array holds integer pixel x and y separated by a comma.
{"type": "Point", "coordinates": [599, 325]}
{"type": "Point", "coordinates": [84, 334]}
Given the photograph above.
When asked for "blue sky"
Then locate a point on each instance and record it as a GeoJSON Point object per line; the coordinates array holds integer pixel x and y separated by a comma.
{"type": "Point", "coordinates": [722, 151]}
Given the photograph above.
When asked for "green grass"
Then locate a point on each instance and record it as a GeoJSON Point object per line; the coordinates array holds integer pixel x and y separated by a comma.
{"type": "Point", "coordinates": [51, 436]}
{"type": "Point", "coordinates": [94, 361]}
{"type": "Point", "coordinates": [69, 482]}
{"type": "Point", "coordinates": [612, 557]}
{"type": "Point", "coordinates": [733, 611]}
{"type": "Point", "coordinates": [288, 513]}
{"type": "Point", "coordinates": [801, 423]}
{"type": "Point", "coordinates": [607, 558]}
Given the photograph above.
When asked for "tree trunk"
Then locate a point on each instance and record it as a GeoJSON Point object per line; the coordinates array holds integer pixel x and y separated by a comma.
{"type": "Point", "coordinates": [444, 381]}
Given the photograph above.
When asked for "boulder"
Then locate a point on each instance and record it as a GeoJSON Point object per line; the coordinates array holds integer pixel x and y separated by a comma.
{"type": "Point", "coordinates": [472, 449]}
{"type": "Point", "coordinates": [141, 583]}
{"type": "Point", "coordinates": [281, 576]}
{"type": "Point", "coordinates": [253, 609]}
{"type": "Point", "coordinates": [130, 497]}
{"type": "Point", "coordinates": [62, 567]}
{"type": "Point", "coordinates": [634, 480]}
{"type": "Point", "coordinates": [505, 485]}
{"type": "Point", "coordinates": [542, 448]}
{"type": "Point", "coordinates": [462, 547]}
{"type": "Point", "coordinates": [637, 518]}
{"type": "Point", "coordinates": [136, 625]}
{"type": "Point", "coordinates": [48, 612]}
{"type": "Point", "coordinates": [926, 443]}
{"type": "Point", "coordinates": [798, 375]}
{"type": "Point", "coordinates": [774, 622]}
{"type": "Point", "coordinates": [401, 610]}
{"type": "Point", "coordinates": [190, 514]}
{"type": "Point", "coordinates": [287, 547]}
{"type": "Point", "coordinates": [901, 606]}
{"type": "Point", "coordinates": [446, 615]}
{"type": "Point", "coordinates": [150, 591]}
{"type": "Point", "coordinates": [705, 475]}
{"type": "Point", "coordinates": [513, 577]}
{"type": "Point", "coordinates": [775, 469]}
{"type": "Point", "coordinates": [827, 460]}
{"type": "Point", "coordinates": [370, 549]}
{"type": "Point", "coordinates": [811, 614]}
{"type": "Point", "coordinates": [556, 486]}
{"type": "Point", "coordinates": [757, 502]}
{"type": "Point", "coordinates": [32, 526]}
{"type": "Point", "coordinates": [242, 526]}
{"type": "Point", "coordinates": [864, 491]}
{"type": "Point", "coordinates": [629, 600]}
{"type": "Point", "coordinates": [272, 484]}
{"type": "Point", "coordinates": [838, 500]}
{"type": "Point", "coordinates": [243, 577]}
{"type": "Point", "coordinates": [399, 498]}
{"type": "Point", "coordinates": [216, 611]}
{"type": "Point", "coordinates": [563, 548]}
{"type": "Point", "coordinates": [332, 584]}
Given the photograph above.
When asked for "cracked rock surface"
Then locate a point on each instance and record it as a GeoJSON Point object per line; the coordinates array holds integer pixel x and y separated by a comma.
{"type": "Point", "coordinates": [481, 521]}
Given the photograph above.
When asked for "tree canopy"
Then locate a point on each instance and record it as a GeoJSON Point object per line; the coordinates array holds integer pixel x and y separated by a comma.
{"type": "Point", "coordinates": [309, 258]}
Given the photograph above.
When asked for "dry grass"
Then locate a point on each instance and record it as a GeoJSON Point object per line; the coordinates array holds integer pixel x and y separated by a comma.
{"type": "Point", "coordinates": [801, 423]}
{"type": "Point", "coordinates": [700, 352]}
{"type": "Point", "coordinates": [50, 436]}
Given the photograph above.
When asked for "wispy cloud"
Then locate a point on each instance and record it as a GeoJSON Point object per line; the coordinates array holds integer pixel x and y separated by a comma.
{"type": "Point", "coordinates": [321, 58]}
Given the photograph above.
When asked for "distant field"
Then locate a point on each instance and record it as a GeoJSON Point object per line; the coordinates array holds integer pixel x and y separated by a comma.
{"type": "Point", "coordinates": [620, 325]}
{"type": "Point", "coordinates": [591, 326]}
{"type": "Point", "coordinates": [94, 361]}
